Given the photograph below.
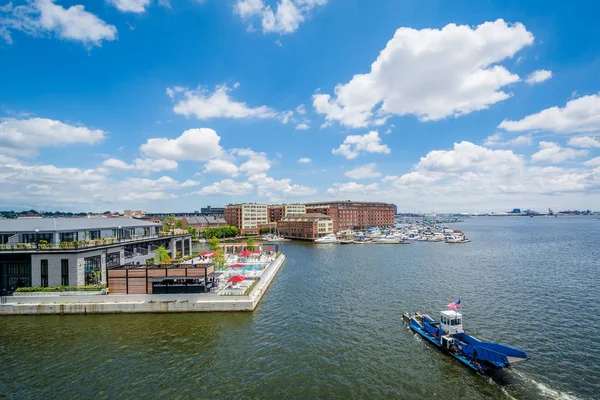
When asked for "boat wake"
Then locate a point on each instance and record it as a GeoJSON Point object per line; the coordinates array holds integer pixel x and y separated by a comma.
{"type": "Point", "coordinates": [544, 390]}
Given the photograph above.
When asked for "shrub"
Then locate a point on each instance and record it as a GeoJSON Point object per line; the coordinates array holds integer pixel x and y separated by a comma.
{"type": "Point", "coordinates": [60, 289]}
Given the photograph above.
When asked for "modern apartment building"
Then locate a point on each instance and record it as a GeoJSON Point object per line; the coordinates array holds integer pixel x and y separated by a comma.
{"type": "Point", "coordinates": [278, 211]}
{"type": "Point", "coordinates": [305, 226]}
{"type": "Point", "coordinates": [354, 214]}
{"type": "Point", "coordinates": [248, 217]}
{"type": "Point", "coordinates": [77, 251]}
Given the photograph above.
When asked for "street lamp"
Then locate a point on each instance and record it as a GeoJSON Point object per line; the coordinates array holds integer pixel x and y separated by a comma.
{"type": "Point", "coordinates": [37, 240]}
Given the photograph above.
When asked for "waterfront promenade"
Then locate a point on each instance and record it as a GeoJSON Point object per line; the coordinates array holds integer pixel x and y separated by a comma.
{"type": "Point", "coordinates": [158, 303]}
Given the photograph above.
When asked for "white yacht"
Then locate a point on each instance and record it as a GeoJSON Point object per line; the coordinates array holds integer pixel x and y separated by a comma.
{"type": "Point", "coordinates": [388, 240]}
{"type": "Point", "coordinates": [275, 238]}
{"type": "Point", "coordinates": [331, 238]}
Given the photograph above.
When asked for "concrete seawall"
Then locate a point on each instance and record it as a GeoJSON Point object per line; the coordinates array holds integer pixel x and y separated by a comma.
{"type": "Point", "coordinates": [158, 303]}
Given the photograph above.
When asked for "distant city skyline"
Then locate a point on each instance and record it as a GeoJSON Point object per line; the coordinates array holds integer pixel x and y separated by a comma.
{"type": "Point", "coordinates": [434, 106]}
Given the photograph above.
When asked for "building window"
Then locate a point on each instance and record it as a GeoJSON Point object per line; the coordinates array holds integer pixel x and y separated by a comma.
{"type": "Point", "coordinates": [64, 272]}
{"type": "Point", "coordinates": [92, 270]}
{"type": "Point", "coordinates": [67, 236]}
{"type": "Point", "coordinates": [146, 231]}
{"type": "Point", "coordinates": [44, 270]}
{"type": "Point", "coordinates": [94, 235]}
{"type": "Point", "coordinates": [113, 259]}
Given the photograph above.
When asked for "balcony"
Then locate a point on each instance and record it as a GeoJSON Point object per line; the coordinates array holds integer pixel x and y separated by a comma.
{"type": "Point", "coordinates": [84, 244]}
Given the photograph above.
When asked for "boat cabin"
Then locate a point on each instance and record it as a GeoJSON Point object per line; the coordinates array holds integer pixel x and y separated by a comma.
{"type": "Point", "coordinates": [451, 322]}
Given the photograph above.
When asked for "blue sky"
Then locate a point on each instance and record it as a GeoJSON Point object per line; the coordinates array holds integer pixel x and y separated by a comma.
{"type": "Point", "coordinates": [174, 105]}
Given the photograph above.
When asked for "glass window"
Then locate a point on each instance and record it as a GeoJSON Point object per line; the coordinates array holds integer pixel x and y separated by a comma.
{"type": "Point", "coordinates": [64, 272]}
{"type": "Point", "coordinates": [68, 236]}
{"type": "Point", "coordinates": [113, 259]}
{"type": "Point", "coordinates": [44, 271]}
{"type": "Point", "coordinates": [93, 235]}
{"type": "Point", "coordinates": [92, 270]}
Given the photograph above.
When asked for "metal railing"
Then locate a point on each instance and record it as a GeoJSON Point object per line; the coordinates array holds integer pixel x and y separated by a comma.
{"type": "Point", "coordinates": [81, 244]}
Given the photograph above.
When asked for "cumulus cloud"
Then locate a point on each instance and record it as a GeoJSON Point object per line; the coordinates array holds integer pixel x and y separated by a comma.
{"type": "Point", "coordinates": [430, 73]}
{"type": "Point", "coordinates": [141, 164]}
{"type": "Point", "coordinates": [194, 144]}
{"type": "Point", "coordinates": [134, 6]}
{"type": "Point", "coordinates": [580, 115]}
{"type": "Point", "coordinates": [352, 188]}
{"type": "Point", "coordinates": [227, 187]}
{"type": "Point", "coordinates": [366, 171]}
{"type": "Point", "coordinates": [224, 167]}
{"type": "Point", "coordinates": [538, 76]}
{"type": "Point", "coordinates": [43, 17]}
{"type": "Point", "coordinates": [276, 189]}
{"type": "Point", "coordinates": [25, 136]}
{"type": "Point", "coordinates": [552, 153]}
{"type": "Point", "coordinates": [257, 162]}
{"type": "Point", "coordinates": [594, 162]}
{"type": "Point", "coordinates": [304, 160]}
{"type": "Point", "coordinates": [586, 142]}
{"type": "Point", "coordinates": [286, 18]}
{"type": "Point", "coordinates": [203, 105]}
{"type": "Point", "coordinates": [495, 140]}
{"type": "Point", "coordinates": [302, 126]}
{"type": "Point", "coordinates": [355, 144]}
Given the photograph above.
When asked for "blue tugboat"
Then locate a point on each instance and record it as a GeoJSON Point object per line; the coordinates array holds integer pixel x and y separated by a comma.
{"type": "Point", "coordinates": [447, 334]}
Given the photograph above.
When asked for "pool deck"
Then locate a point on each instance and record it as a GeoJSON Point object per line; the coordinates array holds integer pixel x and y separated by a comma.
{"type": "Point", "coordinates": [158, 303]}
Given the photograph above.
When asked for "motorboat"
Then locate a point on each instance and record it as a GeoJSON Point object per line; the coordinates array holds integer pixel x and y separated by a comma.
{"type": "Point", "coordinates": [389, 240]}
{"type": "Point", "coordinates": [456, 239]}
{"type": "Point", "coordinates": [346, 241]}
{"type": "Point", "coordinates": [447, 334]}
{"type": "Point", "coordinates": [275, 238]}
{"type": "Point", "coordinates": [330, 238]}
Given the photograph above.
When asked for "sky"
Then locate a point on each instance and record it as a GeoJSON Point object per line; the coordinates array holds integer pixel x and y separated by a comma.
{"type": "Point", "coordinates": [173, 105]}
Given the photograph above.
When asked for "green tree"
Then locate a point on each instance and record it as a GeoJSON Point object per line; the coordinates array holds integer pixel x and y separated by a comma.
{"type": "Point", "coordinates": [163, 255]}
{"type": "Point", "coordinates": [179, 224]}
{"type": "Point", "coordinates": [214, 244]}
{"type": "Point", "coordinates": [192, 231]}
{"type": "Point", "coordinates": [219, 260]}
{"type": "Point", "coordinates": [250, 244]}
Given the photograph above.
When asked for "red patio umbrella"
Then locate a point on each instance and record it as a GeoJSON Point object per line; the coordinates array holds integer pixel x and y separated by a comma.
{"type": "Point", "coordinates": [208, 253]}
{"type": "Point", "coordinates": [245, 253]}
{"type": "Point", "coordinates": [257, 251]}
{"type": "Point", "coordinates": [237, 278]}
{"type": "Point", "coordinates": [270, 249]}
{"type": "Point", "coordinates": [237, 265]}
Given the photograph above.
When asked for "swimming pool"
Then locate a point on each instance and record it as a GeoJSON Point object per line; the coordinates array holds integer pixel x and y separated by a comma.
{"type": "Point", "coordinates": [255, 267]}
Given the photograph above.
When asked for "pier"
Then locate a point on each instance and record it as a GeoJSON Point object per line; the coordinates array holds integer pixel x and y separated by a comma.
{"type": "Point", "coordinates": [151, 303]}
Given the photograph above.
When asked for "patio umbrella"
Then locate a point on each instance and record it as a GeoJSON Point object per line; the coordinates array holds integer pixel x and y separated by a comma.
{"type": "Point", "coordinates": [270, 249]}
{"type": "Point", "coordinates": [245, 253]}
{"type": "Point", "coordinates": [237, 278]}
{"type": "Point", "coordinates": [256, 251]}
{"type": "Point", "coordinates": [208, 253]}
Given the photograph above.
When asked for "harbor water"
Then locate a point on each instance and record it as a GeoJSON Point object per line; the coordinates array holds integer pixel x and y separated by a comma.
{"type": "Point", "coordinates": [331, 326]}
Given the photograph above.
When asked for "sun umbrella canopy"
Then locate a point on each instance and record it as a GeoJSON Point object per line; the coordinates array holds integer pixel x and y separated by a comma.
{"type": "Point", "coordinates": [208, 253]}
{"type": "Point", "coordinates": [245, 253]}
{"type": "Point", "coordinates": [237, 278]}
{"type": "Point", "coordinates": [256, 251]}
{"type": "Point", "coordinates": [270, 249]}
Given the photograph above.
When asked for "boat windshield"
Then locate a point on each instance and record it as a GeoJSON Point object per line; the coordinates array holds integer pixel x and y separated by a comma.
{"type": "Point", "coordinates": [455, 322]}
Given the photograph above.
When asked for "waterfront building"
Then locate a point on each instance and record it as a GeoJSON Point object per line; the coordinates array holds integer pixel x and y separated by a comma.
{"type": "Point", "coordinates": [278, 211]}
{"type": "Point", "coordinates": [78, 251]}
{"type": "Point", "coordinates": [354, 214]}
{"type": "Point", "coordinates": [247, 217]}
{"type": "Point", "coordinates": [202, 222]}
{"type": "Point", "coordinates": [134, 213]}
{"type": "Point", "coordinates": [214, 211]}
{"type": "Point", "coordinates": [307, 226]}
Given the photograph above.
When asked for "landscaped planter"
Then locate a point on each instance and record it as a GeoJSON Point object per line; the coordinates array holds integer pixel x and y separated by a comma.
{"type": "Point", "coordinates": [73, 293]}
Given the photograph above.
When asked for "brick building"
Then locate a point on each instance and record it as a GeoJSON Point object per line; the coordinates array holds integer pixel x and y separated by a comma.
{"type": "Point", "coordinates": [202, 222]}
{"type": "Point", "coordinates": [278, 211]}
{"type": "Point", "coordinates": [305, 226]}
{"type": "Point", "coordinates": [247, 217]}
{"type": "Point", "coordinates": [354, 214]}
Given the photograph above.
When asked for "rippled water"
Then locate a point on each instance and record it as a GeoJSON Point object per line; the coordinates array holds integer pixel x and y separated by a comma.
{"type": "Point", "coordinates": [330, 326]}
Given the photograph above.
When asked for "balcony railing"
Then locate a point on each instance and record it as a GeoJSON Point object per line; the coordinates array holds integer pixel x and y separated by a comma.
{"type": "Point", "coordinates": [82, 244]}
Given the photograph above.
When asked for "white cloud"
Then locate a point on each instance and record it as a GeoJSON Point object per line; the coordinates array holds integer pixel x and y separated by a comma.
{"type": "Point", "coordinates": [495, 140]}
{"type": "Point", "coordinates": [226, 187]}
{"type": "Point", "coordinates": [284, 20]}
{"type": "Point", "coordinates": [42, 17]}
{"type": "Point", "coordinates": [587, 142]}
{"type": "Point", "coordinates": [538, 76]}
{"type": "Point", "coordinates": [224, 167]}
{"type": "Point", "coordinates": [389, 129]}
{"type": "Point", "coordinates": [134, 6]}
{"type": "Point", "coordinates": [302, 126]}
{"type": "Point", "coordinates": [304, 160]}
{"type": "Point", "coordinates": [355, 144]}
{"type": "Point", "coordinates": [594, 162]}
{"type": "Point", "coordinates": [203, 104]}
{"type": "Point", "coordinates": [366, 171]}
{"type": "Point", "coordinates": [352, 188]}
{"type": "Point", "coordinates": [141, 164]}
{"type": "Point", "coordinates": [430, 73]}
{"type": "Point", "coordinates": [301, 109]}
{"type": "Point", "coordinates": [257, 161]}
{"type": "Point", "coordinates": [578, 116]}
{"type": "Point", "coordinates": [194, 144]}
{"type": "Point", "coordinates": [552, 153]}
{"type": "Point", "coordinates": [275, 189]}
{"type": "Point", "coordinates": [25, 136]}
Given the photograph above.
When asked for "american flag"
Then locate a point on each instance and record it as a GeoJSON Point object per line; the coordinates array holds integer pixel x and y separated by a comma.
{"type": "Point", "coordinates": [456, 304]}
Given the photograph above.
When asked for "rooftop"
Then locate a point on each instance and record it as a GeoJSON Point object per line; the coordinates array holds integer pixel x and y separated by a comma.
{"type": "Point", "coordinates": [70, 224]}
{"type": "Point", "coordinates": [346, 203]}
{"type": "Point", "coordinates": [205, 220]}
